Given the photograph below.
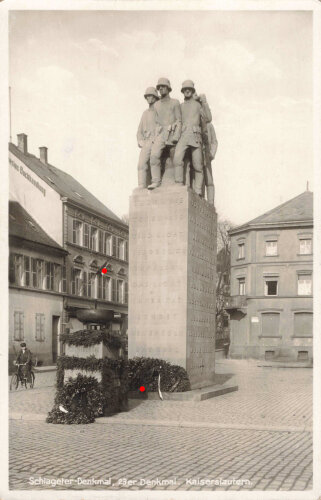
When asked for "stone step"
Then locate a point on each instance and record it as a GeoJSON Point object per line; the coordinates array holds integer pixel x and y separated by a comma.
{"type": "Point", "coordinates": [193, 395]}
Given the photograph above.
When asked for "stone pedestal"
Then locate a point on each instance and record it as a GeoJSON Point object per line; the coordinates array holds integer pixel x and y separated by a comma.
{"type": "Point", "coordinates": [172, 278]}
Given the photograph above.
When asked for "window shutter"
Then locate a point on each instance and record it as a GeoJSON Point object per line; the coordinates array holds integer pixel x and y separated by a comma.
{"type": "Point", "coordinates": [114, 290]}
{"type": "Point", "coordinates": [114, 243]}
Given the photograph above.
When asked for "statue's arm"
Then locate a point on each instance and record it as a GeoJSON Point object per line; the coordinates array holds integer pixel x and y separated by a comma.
{"type": "Point", "coordinates": [178, 121]}
{"type": "Point", "coordinates": [205, 109]}
{"type": "Point", "coordinates": [140, 133]}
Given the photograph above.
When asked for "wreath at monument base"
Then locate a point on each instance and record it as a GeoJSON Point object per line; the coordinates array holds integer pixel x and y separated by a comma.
{"type": "Point", "coordinates": [78, 401]}
{"type": "Point", "coordinates": [144, 372]}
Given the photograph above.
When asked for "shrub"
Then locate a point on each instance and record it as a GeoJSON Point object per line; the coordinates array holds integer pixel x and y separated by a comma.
{"type": "Point", "coordinates": [144, 371]}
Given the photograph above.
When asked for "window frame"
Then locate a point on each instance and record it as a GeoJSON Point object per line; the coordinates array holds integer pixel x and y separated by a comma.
{"type": "Point", "coordinates": [305, 274]}
{"type": "Point", "coordinates": [270, 279]}
{"type": "Point", "coordinates": [77, 232]}
{"type": "Point", "coordinates": [267, 241]}
{"type": "Point", "coordinates": [241, 281]}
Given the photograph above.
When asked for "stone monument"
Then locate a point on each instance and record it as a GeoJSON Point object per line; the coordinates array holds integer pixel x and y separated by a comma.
{"type": "Point", "coordinates": [172, 275]}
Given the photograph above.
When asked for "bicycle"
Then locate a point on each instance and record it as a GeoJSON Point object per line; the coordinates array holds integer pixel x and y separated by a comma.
{"type": "Point", "coordinates": [18, 376]}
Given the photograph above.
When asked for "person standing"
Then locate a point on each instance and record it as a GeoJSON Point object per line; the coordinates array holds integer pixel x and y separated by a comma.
{"type": "Point", "coordinates": [145, 136]}
{"type": "Point", "coordinates": [24, 358]}
{"type": "Point", "coordinates": [194, 109]}
{"type": "Point", "coordinates": [168, 129]}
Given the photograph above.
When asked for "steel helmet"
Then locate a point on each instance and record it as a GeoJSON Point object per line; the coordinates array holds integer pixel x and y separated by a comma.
{"type": "Point", "coordinates": [188, 84]}
{"type": "Point", "coordinates": [164, 81]}
{"type": "Point", "coordinates": [151, 91]}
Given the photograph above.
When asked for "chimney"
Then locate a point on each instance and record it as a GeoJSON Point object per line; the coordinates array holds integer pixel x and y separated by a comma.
{"type": "Point", "coordinates": [43, 154]}
{"type": "Point", "coordinates": [23, 143]}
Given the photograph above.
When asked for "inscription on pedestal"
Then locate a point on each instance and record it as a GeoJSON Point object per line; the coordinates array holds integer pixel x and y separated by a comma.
{"type": "Point", "coordinates": [172, 276]}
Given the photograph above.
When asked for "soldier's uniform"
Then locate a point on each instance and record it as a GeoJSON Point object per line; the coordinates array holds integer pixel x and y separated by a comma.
{"type": "Point", "coordinates": [145, 138]}
{"type": "Point", "coordinates": [168, 131]}
{"type": "Point", "coordinates": [210, 152]}
{"type": "Point", "coordinates": [191, 138]}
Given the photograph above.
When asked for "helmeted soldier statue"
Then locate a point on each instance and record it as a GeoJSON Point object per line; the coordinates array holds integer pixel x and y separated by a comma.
{"type": "Point", "coordinates": [194, 110]}
{"type": "Point", "coordinates": [145, 136]}
{"type": "Point", "coordinates": [210, 148]}
{"type": "Point", "coordinates": [168, 129]}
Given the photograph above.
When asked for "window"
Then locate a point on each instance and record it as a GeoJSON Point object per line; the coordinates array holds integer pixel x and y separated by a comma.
{"type": "Point", "coordinates": [113, 290]}
{"type": "Point", "coordinates": [75, 281]}
{"type": "Point", "coordinates": [18, 333]}
{"type": "Point", "coordinates": [57, 277]}
{"type": "Point", "coordinates": [76, 232]}
{"type": "Point", "coordinates": [86, 236]}
{"type": "Point", "coordinates": [37, 272]}
{"type": "Point", "coordinates": [91, 285]}
{"type": "Point", "coordinates": [303, 324]}
{"type": "Point", "coordinates": [126, 251]}
{"type": "Point", "coordinates": [114, 246]}
{"type": "Point", "coordinates": [271, 248]}
{"type": "Point", "coordinates": [305, 284]}
{"type": "Point", "coordinates": [12, 273]}
{"type": "Point", "coordinates": [104, 290]}
{"type": "Point", "coordinates": [100, 241]}
{"type": "Point", "coordinates": [270, 286]}
{"type": "Point", "coordinates": [306, 246]}
{"type": "Point", "coordinates": [64, 279]}
{"type": "Point", "coordinates": [120, 291]}
{"type": "Point", "coordinates": [40, 327]}
{"type": "Point", "coordinates": [85, 283]}
{"type": "Point", "coordinates": [270, 324]}
{"type": "Point", "coordinates": [126, 292]}
{"type": "Point", "coordinates": [241, 251]}
{"type": "Point", "coordinates": [93, 238]}
{"type": "Point", "coordinates": [107, 288]}
{"type": "Point", "coordinates": [49, 266]}
{"type": "Point", "coordinates": [120, 248]}
{"type": "Point", "coordinates": [26, 274]}
{"type": "Point", "coordinates": [108, 244]}
{"type": "Point", "coordinates": [15, 269]}
{"type": "Point", "coordinates": [241, 286]}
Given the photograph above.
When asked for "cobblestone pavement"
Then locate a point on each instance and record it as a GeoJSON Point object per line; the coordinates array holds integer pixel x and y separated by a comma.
{"type": "Point", "coordinates": [269, 460]}
{"type": "Point", "coordinates": [126, 448]}
{"type": "Point", "coordinates": [267, 397]}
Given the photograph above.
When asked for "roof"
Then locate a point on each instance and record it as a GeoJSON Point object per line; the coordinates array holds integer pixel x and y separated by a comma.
{"type": "Point", "coordinates": [296, 210]}
{"type": "Point", "coordinates": [23, 226]}
{"type": "Point", "coordinates": [63, 183]}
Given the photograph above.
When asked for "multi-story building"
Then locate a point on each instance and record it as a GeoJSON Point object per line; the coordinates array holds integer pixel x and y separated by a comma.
{"type": "Point", "coordinates": [36, 285]}
{"type": "Point", "coordinates": [91, 233]}
{"type": "Point", "coordinates": [271, 304]}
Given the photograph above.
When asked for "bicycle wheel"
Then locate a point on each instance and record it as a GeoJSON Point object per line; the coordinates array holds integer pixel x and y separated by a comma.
{"type": "Point", "coordinates": [14, 382]}
{"type": "Point", "coordinates": [32, 383]}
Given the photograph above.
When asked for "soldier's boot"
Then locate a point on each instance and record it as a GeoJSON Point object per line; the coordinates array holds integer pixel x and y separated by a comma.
{"type": "Point", "coordinates": [210, 191]}
{"type": "Point", "coordinates": [156, 181]}
{"type": "Point", "coordinates": [199, 177]}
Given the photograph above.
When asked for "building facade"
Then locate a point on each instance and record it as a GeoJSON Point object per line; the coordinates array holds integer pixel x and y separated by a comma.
{"type": "Point", "coordinates": [93, 235]}
{"type": "Point", "coordinates": [271, 302]}
{"type": "Point", "coordinates": [36, 283]}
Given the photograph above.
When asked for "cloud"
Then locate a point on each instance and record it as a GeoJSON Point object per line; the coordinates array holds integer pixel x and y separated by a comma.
{"type": "Point", "coordinates": [97, 44]}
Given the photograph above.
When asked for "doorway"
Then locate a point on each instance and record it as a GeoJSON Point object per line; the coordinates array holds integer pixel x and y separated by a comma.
{"type": "Point", "coordinates": [55, 326]}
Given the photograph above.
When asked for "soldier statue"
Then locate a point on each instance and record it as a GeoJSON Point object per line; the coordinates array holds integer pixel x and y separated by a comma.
{"type": "Point", "coordinates": [168, 130]}
{"type": "Point", "coordinates": [210, 148]}
{"type": "Point", "coordinates": [194, 110]}
{"type": "Point", "coordinates": [145, 137]}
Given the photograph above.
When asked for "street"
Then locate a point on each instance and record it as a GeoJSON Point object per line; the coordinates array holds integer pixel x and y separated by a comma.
{"type": "Point", "coordinates": [259, 438]}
